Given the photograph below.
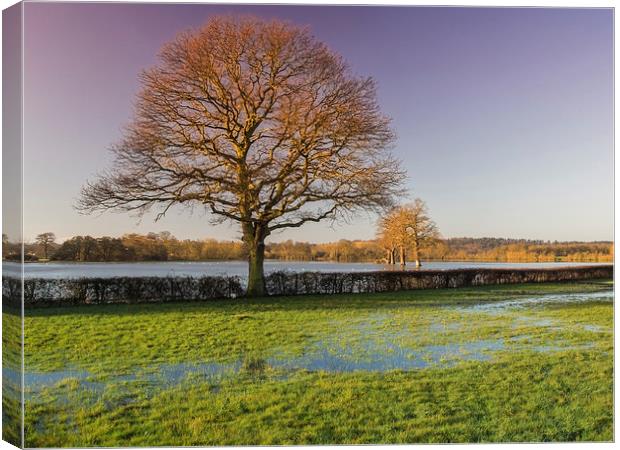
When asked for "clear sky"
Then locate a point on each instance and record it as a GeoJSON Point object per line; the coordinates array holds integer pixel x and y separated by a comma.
{"type": "Point", "coordinates": [504, 116]}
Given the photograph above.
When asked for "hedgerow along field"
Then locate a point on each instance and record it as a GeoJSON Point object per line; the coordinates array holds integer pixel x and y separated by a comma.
{"type": "Point", "coordinates": [514, 363]}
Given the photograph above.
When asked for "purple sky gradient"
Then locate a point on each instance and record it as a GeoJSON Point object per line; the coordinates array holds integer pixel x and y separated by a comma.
{"type": "Point", "coordinates": [504, 116]}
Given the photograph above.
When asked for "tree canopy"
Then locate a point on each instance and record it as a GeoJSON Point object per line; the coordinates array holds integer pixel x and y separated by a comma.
{"type": "Point", "coordinates": [259, 123]}
{"type": "Point", "coordinates": [407, 228]}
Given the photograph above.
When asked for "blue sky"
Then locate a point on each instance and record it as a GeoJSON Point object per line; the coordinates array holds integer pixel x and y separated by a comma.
{"type": "Point", "coordinates": [504, 116]}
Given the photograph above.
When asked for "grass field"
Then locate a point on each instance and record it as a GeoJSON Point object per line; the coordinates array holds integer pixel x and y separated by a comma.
{"type": "Point", "coordinates": [497, 363]}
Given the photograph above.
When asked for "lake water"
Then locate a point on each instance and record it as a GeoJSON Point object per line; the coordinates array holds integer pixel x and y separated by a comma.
{"type": "Point", "coordinates": [229, 268]}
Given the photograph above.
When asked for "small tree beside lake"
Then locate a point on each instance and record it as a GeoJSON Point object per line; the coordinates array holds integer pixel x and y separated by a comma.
{"type": "Point", "coordinates": [45, 240]}
{"type": "Point", "coordinates": [405, 228]}
{"type": "Point", "coordinates": [260, 124]}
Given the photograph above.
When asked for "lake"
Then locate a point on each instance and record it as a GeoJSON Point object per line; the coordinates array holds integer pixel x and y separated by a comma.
{"type": "Point", "coordinates": [231, 268]}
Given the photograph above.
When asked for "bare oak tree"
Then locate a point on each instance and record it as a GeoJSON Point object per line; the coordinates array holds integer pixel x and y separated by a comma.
{"type": "Point", "coordinates": [408, 227]}
{"type": "Point", "coordinates": [259, 123]}
{"type": "Point", "coordinates": [394, 234]}
{"type": "Point", "coordinates": [387, 240]}
{"type": "Point", "coordinates": [423, 229]}
{"type": "Point", "coordinates": [45, 240]}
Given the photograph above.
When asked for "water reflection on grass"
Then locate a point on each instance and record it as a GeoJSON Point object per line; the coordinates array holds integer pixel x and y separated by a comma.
{"type": "Point", "coordinates": [521, 303]}
{"type": "Point", "coordinates": [364, 346]}
{"type": "Point", "coordinates": [276, 344]}
{"type": "Point", "coordinates": [373, 344]}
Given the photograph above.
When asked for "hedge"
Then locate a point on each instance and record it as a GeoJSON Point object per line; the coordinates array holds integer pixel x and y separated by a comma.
{"type": "Point", "coordinates": [286, 283]}
{"type": "Point", "coordinates": [76, 291]}
{"type": "Point", "coordinates": [40, 291]}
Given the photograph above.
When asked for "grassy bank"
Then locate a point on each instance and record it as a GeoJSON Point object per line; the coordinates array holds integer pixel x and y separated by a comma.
{"type": "Point", "coordinates": [536, 372]}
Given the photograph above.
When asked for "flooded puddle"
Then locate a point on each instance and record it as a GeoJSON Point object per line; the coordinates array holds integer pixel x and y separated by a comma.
{"type": "Point", "coordinates": [594, 328]}
{"type": "Point", "coordinates": [373, 344]}
{"type": "Point", "coordinates": [327, 360]}
{"type": "Point", "coordinates": [386, 356]}
{"type": "Point", "coordinates": [520, 303]}
{"type": "Point", "coordinates": [376, 358]}
{"type": "Point", "coordinates": [346, 359]}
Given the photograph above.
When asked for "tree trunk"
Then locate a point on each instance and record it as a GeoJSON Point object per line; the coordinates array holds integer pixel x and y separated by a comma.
{"type": "Point", "coordinates": [402, 256]}
{"type": "Point", "coordinates": [390, 256]}
{"type": "Point", "coordinates": [256, 275]}
{"type": "Point", "coordinates": [416, 254]}
{"type": "Point", "coordinates": [254, 238]}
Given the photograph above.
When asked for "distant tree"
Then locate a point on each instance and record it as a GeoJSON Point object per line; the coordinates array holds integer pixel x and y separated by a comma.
{"type": "Point", "coordinates": [423, 229]}
{"type": "Point", "coordinates": [409, 227]}
{"type": "Point", "coordinates": [438, 250]}
{"type": "Point", "coordinates": [259, 123]}
{"type": "Point", "coordinates": [106, 247]}
{"type": "Point", "coordinates": [70, 250]}
{"type": "Point", "coordinates": [394, 234]}
{"type": "Point", "coordinates": [78, 248]}
{"type": "Point", "coordinates": [146, 248]}
{"type": "Point", "coordinates": [112, 249]}
{"type": "Point", "coordinates": [89, 249]}
{"type": "Point", "coordinates": [45, 240]}
{"type": "Point", "coordinates": [388, 242]}
{"type": "Point", "coordinates": [166, 236]}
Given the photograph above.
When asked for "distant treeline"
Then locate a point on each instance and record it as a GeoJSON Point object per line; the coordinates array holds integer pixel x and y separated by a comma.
{"type": "Point", "coordinates": [520, 250]}
{"type": "Point", "coordinates": [165, 247]}
{"type": "Point", "coordinates": [132, 247]}
{"type": "Point", "coordinates": [452, 249]}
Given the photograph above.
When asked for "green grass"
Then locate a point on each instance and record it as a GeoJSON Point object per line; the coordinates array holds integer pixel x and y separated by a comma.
{"type": "Point", "coordinates": [11, 359]}
{"type": "Point", "coordinates": [519, 393]}
{"type": "Point", "coordinates": [126, 336]}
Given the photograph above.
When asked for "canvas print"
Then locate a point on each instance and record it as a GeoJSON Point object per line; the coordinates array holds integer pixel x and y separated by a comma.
{"type": "Point", "coordinates": [230, 224]}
